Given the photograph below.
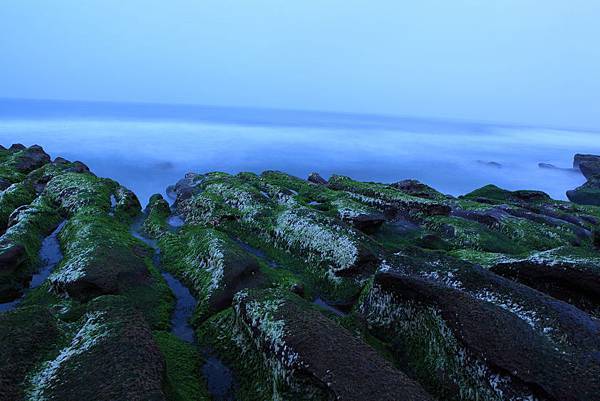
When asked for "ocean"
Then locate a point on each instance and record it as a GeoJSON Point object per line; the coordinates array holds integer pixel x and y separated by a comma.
{"type": "Point", "coordinates": [147, 147]}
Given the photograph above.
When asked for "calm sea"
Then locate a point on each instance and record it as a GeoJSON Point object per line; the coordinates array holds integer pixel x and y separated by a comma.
{"type": "Point", "coordinates": [147, 146]}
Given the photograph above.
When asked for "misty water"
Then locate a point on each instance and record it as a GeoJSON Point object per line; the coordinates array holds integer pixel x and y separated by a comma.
{"type": "Point", "coordinates": [147, 147]}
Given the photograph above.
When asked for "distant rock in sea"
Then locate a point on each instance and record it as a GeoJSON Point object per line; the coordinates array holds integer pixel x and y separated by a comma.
{"type": "Point", "coordinates": [490, 163]}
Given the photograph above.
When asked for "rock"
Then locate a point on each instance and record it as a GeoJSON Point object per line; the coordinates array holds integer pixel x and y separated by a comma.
{"type": "Point", "coordinates": [186, 187]}
{"type": "Point", "coordinates": [583, 158]}
{"type": "Point", "coordinates": [573, 279]}
{"type": "Point", "coordinates": [4, 183]}
{"type": "Point", "coordinates": [126, 202]}
{"type": "Point", "coordinates": [549, 166]}
{"type": "Point", "coordinates": [316, 178]}
{"type": "Point", "coordinates": [418, 189]}
{"type": "Point", "coordinates": [16, 215]}
{"type": "Point", "coordinates": [368, 223]}
{"type": "Point", "coordinates": [97, 261]}
{"type": "Point", "coordinates": [213, 266]}
{"type": "Point", "coordinates": [587, 194]}
{"type": "Point", "coordinates": [493, 195]}
{"type": "Point", "coordinates": [438, 330]}
{"type": "Point", "coordinates": [112, 356]}
{"type": "Point", "coordinates": [78, 167]}
{"type": "Point", "coordinates": [16, 147]}
{"type": "Point", "coordinates": [590, 169]}
{"type": "Point", "coordinates": [31, 158]}
{"type": "Point", "coordinates": [490, 164]}
{"type": "Point", "coordinates": [298, 289]}
{"type": "Point", "coordinates": [596, 238]}
{"type": "Point", "coordinates": [11, 257]}
{"type": "Point", "coordinates": [313, 355]}
{"type": "Point", "coordinates": [389, 200]}
{"type": "Point", "coordinates": [27, 335]}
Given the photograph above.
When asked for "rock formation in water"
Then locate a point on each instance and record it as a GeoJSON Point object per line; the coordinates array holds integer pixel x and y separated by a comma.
{"type": "Point", "coordinates": [589, 192]}
{"type": "Point", "coordinates": [304, 289]}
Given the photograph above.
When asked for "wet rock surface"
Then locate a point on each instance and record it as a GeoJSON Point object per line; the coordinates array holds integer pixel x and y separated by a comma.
{"type": "Point", "coordinates": [268, 286]}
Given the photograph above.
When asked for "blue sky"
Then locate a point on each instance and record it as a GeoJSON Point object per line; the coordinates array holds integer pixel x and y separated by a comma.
{"type": "Point", "coordinates": [531, 61]}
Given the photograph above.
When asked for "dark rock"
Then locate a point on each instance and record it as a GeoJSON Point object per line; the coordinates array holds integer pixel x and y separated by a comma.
{"type": "Point", "coordinates": [298, 289]}
{"type": "Point", "coordinates": [549, 166]}
{"type": "Point", "coordinates": [491, 218]}
{"type": "Point", "coordinates": [127, 202]}
{"type": "Point", "coordinates": [316, 178]}
{"type": "Point", "coordinates": [571, 279]}
{"type": "Point", "coordinates": [502, 357]}
{"type": "Point", "coordinates": [78, 167]}
{"type": "Point", "coordinates": [368, 223]}
{"type": "Point", "coordinates": [31, 158]}
{"type": "Point", "coordinates": [582, 158]}
{"type": "Point", "coordinates": [17, 147]}
{"type": "Point", "coordinates": [587, 194]}
{"type": "Point", "coordinates": [596, 238]}
{"type": "Point", "coordinates": [27, 335]}
{"type": "Point", "coordinates": [11, 257]}
{"type": "Point", "coordinates": [590, 169]}
{"type": "Point", "coordinates": [490, 164]}
{"type": "Point", "coordinates": [4, 183]}
{"type": "Point", "coordinates": [98, 261]}
{"type": "Point", "coordinates": [492, 194]}
{"type": "Point", "coordinates": [16, 215]}
{"type": "Point", "coordinates": [417, 188]}
{"type": "Point", "coordinates": [112, 356]}
{"type": "Point", "coordinates": [239, 272]}
{"type": "Point", "coordinates": [186, 187]}
{"type": "Point", "coordinates": [326, 356]}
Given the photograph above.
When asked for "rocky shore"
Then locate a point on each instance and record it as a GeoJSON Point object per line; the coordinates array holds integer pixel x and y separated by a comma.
{"type": "Point", "coordinates": [271, 287]}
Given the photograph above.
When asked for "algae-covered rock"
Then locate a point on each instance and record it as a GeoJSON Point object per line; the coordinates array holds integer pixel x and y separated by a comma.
{"type": "Point", "coordinates": [588, 193]}
{"type": "Point", "coordinates": [99, 259]}
{"type": "Point", "coordinates": [465, 348]}
{"type": "Point", "coordinates": [213, 266]}
{"type": "Point", "coordinates": [388, 198]}
{"type": "Point", "coordinates": [589, 165]}
{"type": "Point", "coordinates": [490, 296]}
{"type": "Point", "coordinates": [111, 356]}
{"type": "Point", "coordinates": [26, 336]}
{"type": "Point", "coordinates": [311, 357]}
{"type": "Point", "coordinates": [572, 275]}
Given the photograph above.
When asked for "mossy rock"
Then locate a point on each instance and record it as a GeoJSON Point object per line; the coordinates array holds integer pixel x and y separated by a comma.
{"type": "Point", "coordinates": [112, 356]}
{"type": "Point", "coordinates": [27, 336]}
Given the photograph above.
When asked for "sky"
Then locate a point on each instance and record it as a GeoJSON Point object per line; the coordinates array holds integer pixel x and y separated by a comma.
{"type": "Point", "coordinates": [516, 61]}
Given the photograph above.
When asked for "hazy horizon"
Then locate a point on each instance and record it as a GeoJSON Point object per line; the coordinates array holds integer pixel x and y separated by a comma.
{"type": "Point", "coordinates": [512, 62]}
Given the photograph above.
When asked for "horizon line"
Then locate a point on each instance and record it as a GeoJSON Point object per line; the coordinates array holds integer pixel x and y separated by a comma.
{"type": "Point", "coordinates": [397, 117]}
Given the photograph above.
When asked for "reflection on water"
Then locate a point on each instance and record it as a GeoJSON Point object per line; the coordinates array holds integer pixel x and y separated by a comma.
{"type": "Point", "coordinates": [146, 151]}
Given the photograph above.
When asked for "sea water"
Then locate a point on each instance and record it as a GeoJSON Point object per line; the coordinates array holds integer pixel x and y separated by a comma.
{"type": "Point", "coordinates": [146, 147]}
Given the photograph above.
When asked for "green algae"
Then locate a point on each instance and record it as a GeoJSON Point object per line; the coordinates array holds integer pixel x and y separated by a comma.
{"type": "Point", "coordinates": [183, 364]}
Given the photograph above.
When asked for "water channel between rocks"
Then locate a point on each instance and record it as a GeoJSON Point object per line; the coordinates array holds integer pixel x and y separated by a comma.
{"type": "Point", "coordinates": [50, 256]}
{"type": "Point", "coordinates": [218, 376]}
